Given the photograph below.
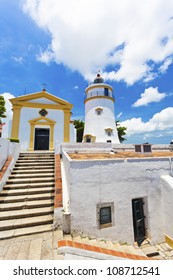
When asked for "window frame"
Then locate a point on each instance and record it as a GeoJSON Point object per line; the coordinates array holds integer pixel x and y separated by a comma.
{"type": "Point", "coordinates": [99, 111]}
{"type": "Point", "coordinates": [106, 91]}
{"type": "Point", "coordinates": [109, 132]}
{"type": "Point", "coordinates": [101, 206]}
{"type": "Point", "coordinates": [105, 218]}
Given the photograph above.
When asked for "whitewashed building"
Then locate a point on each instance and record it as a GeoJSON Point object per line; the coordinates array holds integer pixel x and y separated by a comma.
{"type": "Point", "coordinates": [100, 123]}
{"type": "Point", "coordinates": [41, 121]}
{"type": "Point", "coordinates": [125, 196]}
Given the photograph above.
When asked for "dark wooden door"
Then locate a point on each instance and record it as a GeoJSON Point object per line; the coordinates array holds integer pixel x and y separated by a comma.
{"type": "Point", "coordinates": [41, 139]}
{"type": "Point", "coordinates": [138, 220]}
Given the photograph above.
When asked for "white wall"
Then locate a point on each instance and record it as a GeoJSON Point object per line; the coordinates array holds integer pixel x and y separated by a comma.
{"type": "Point", "coordinates": [86, 147]}
{"type": "Point", "coordinates": [72, 133]}
{"type": "Point", "coordinates": [32, 113]}
{"type": "Point", "coordinates": [65, 171]}
{"type": "Point", "coordinates": [167, 193]}
{"type": "Point", "coordinates": [13, 151]}
{"type": "Point", "coordinates": [118, 181]}
{"type": "Point", "coordinates": [96, 124]}
{"type": "Point", "coordinates": [4, 151]}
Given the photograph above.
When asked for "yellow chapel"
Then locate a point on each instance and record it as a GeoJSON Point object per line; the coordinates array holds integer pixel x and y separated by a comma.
{"type": "Point", "coordinates": [41, 121]}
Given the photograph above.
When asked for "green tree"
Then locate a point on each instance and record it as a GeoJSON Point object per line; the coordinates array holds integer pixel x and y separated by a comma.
{"type": "Point", "coordinates": [121, 132]}
{"type": "Point", "coordinates": [79, 125]}
{"type": "Point", "coordinates": [2, 108]}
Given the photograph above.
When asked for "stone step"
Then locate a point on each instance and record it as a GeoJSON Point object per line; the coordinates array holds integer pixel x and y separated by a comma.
{"type": "Point", "coordinates": [85, 239]}
{"type": "Point", "coordinates": [26, 205]}
{"type": "Point", "coordinates": [26, 222]}
{"type": "Point", "coordinates": [30, 180]}
{"type": "Point", "coordinates": [118, 247]}
{"type": "Point", "coordinates": [35, 161]}
{"type": "Point", "coordinates": [110, 245]}
{"type": "Point", "coordinates": [37, 152]}
{"type": "Point", "coordinates": [34, 164]}
{"type": "Point", "coordinates": [32, 171]}
{"type": "Point", "coordinates": [28, 185]}
{"type": "Point", "coordinates": [102, 244]}
{"type": "Point", "coordinates": [150, 250]}
{"type": "Point", "coordinates": [31, 175]}
{"type": "Point", "coordinates": [36, 156]}
{"type": "Point", "coordinates": [24, 231]}
{"type": "Point", "coordinates": [77, 238]}
{"type": "Point", "coordinates": [129, 249]}
{"type": "Point", "coordinates": [26, 195]}
{"type": "Point", "coordinates": [24, 213]}
{"type": "Point", "coordinates": [30, 168]}
{"type": "Point", "coordinates": [165, 246]}
{"type": "Point", "coordinates": [93, 242]}
{"type": "Point", "coordinates": [67, 237]}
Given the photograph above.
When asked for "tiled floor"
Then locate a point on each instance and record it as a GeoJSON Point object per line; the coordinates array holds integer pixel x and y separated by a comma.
{"type": "Point", "coordinates": [41, 246]}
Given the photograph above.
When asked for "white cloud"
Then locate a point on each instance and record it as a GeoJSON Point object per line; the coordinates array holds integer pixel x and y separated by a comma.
{"type": "Point", "coordinates": [168, 61]}
{"type": "Point", "coordinates": [75, 87]}
{"type": "Point", "coordinates": [149, 95]}
{"type": "Point", "coordinates": [8, 113]}
{"type": "Point", "coordinates": [45, 56]}
{"type": "Point", "coordinates": [119, 115]}
{"type": "Point", "coordinates": [160, 121]}
{"type": "Point", "coordinates": [93, 34]}
{"type": "Point", "coordinates": [18, 59]}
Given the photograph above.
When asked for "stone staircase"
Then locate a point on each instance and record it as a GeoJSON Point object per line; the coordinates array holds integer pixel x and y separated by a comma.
{"type": "Point", "coordinates": [160, 251]}
{"type": "Point", "coordinates": [45, 246]}
{"type": "Point", "coordinates": [27, 199]}
{"type": "Point", "coordinates": [27, 208]}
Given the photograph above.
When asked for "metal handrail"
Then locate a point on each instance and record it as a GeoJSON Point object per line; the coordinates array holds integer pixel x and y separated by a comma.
{"type": "Point", "coordinates": [98, 93]}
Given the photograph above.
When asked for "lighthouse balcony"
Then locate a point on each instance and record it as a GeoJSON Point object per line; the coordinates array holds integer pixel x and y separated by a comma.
{"type": "Point", "coordinates": [100, 93]}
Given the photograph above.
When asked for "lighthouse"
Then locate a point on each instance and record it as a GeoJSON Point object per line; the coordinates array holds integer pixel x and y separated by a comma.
{"type": "Point", "coordinates": [100, 124]}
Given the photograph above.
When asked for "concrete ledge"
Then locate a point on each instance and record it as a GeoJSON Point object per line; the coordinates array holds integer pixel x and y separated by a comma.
{"type": "Point", "coordinates": [94, 252]}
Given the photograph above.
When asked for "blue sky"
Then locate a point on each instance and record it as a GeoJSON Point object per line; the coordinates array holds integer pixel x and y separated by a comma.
{"type": "Point", "coordinates": [65, 43]}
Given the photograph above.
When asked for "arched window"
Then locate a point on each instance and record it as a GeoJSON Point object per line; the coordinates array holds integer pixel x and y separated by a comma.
{"type": "Point", "coordinates": [109, 131]}
{"type": "Point", "coordinates": [99, 111]}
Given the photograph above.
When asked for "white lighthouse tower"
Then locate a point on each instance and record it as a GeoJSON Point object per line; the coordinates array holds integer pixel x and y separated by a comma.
{"type": "Point", "coordinates": [100, 123]}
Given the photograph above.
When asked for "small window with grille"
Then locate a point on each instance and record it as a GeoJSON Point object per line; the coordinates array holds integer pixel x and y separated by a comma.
{"type": "Point", "coordinates": [99, 111]}
{"type": "Point", "coordinates": [88, 139]}
{"type": "Point", "coordinates": [147, 148]}
{"type": "Point", "coordinates": [109, 131]}
{"type": "Point", "coordinates": [138, 149]}
{"type": "Point", "coordinates": [105, 214]}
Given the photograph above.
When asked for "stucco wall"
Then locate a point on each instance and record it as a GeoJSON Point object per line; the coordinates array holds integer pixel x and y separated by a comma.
{"type": "Point", "coordinates": [32, 113]}
{"type": "Point", "coordinates": [72, 133]}
{"type": "Point", "coordinates": [117, 181]}
{"type": "Point", "coordinates": [66, 175]}
{"type": "Point", "coordinates": [4, 151]}
{"type": "Point", "coordinates": [167, 194]}
{"type": "Point", "coordinates": [96, 124]}
{"type": "Point", "coordinates": [13, 151]}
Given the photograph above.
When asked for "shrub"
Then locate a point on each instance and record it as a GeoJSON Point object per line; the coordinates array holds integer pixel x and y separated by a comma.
{"type": "Point", "coordinates": [16, 140]}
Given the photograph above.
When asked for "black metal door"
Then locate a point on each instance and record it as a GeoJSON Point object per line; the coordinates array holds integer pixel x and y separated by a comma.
{"type": "Point", "coordinates": [41, 139]}
{"type": "Point", "coordinates": [138, 220]}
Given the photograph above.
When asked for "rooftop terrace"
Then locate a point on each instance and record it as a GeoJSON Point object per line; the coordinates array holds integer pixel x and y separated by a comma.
{"type": "Point", "coordinates": [119, 155]}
